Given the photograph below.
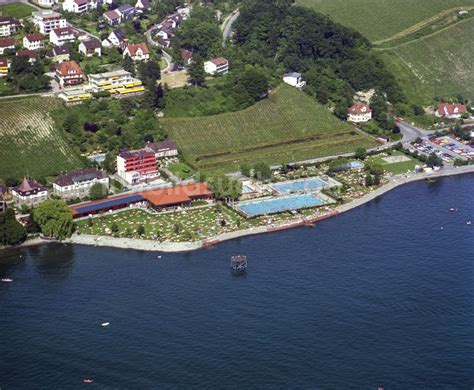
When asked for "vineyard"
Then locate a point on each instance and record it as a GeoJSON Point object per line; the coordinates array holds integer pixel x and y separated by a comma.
{"type": "Point", "coordinates": [29, 142]}
{"type": "Point", "coordinates": [287, 126]}
{"type": "Point", "coordinates": [381, 19]}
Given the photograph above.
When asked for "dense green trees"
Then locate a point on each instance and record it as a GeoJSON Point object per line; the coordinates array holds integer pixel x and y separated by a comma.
{"type": "Point", "coordinates": [262, 171]}
{"type": "Point", "coordinates": [26, 77]}
{"type": "Point", "coordinates": [11, 231]}
{"type": "Point", "coordinates": [225, 187]}
{"type": "Point", "coordinates": [54, 218]}
{"type": "Point", "coordinates": [360, 153]}
{"type": "Point", "coordinates": [434, 160]}
{"type": "Point", "coordinates": [98, 191]}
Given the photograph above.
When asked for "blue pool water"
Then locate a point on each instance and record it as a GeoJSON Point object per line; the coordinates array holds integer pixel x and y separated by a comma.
{"type": "Point", "coordinates": [280, 204]}
{"type": "Point", "coordinates": [246, 189]}
{"type": "Point", "coordinates": [302, 185]}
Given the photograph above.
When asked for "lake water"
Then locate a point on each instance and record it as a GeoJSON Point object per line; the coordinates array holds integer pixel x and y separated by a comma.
{"type": "Point", "coordinates": [378, 296]}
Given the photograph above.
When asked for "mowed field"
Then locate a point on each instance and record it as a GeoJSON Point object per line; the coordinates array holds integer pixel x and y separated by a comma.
{"type": "Point", "coordinates": [29, 143]}
{"type": "Point", "coordinates": [17, 10]}
{"type": "Point", "coordinates": [287, 126]}
{"type": "Point", "coordinates": [381, 19]}
{"type": "Point", "coordinates": [442, 66]}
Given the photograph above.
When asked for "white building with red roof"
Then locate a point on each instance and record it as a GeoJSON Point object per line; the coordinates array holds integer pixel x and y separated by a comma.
{"type": "Point", "coordinates": [359, 113]}
{"type": "Point", "coordinates": [77, 184]}
{"type": "Point", "coordinates": [216, 66]}
{"type": "Point", "coordinates": [137, 52]}
{"type": "Point", "coordinates": [29, 192]}
{"type": "Point", "coordinates": [69, 73]}
{"type": "Point", "coordinates": [33, 41]}
{"type": "Point", "coordinates": [450, 111]}
{"type": "Point", "coordinates": [47, 20]}
{"type": "Point", "coordinates": [61, 36]}
{"type": "Point", "coordinates": [8, 26]}
{"type": "Point", "coordinates": [6, 44]}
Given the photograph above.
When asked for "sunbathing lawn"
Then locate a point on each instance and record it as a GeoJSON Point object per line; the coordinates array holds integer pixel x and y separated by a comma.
{"type": "Point", "coordinates": [181, 170]}
{"type": "Point", "coordinates": [17, 10]}
{"type": "Point", "coordinates": [195, 224]}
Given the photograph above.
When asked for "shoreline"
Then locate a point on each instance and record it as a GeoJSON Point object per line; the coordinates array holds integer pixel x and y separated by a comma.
{"type": "Point", "coordinates": [177, 247]}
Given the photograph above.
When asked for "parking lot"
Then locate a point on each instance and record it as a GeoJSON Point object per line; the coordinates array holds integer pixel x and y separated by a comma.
{"type": "Point", "coordinates": [446, 147]}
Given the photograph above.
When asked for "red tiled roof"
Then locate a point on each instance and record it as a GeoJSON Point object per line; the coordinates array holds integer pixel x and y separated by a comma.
{"type": "Point", "coordinates": [34, 37]}
{"type": "Point", "coordinates": [445, 109]}
{"type": "Point", "coordinates": [186, 54]}
{"type": "Point", "coordinates": [359, 109]}
{"type": "Point", "coordinates": [168, 144]}
{"type": "Point", "coordinates": [219, 61]}
{"type": "Point", "coordinates": [112, 15]}
{"type": "Point", "coordinates": [3, 61]}
{"type": "Point", "coordinates": [27, 53]}
{"type": "Point", "coordinates": [65, 67]}
{"type": "Point", "coordinates": [177, 194]}
{"type": "Point", "coordinates": [133, 47]}
{"type": "Point", "coordinates": [62, 31]}
{"type": "Point", "coordinates": [28, 186]}
{"type": "Point", "coordinates": [6, 42]}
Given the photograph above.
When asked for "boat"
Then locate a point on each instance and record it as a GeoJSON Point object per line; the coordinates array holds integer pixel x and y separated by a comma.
{"type": "Point", "coordinates": [105, 324]}
{"type": "Point", "coordinates": [468, 222]}
{"type": "Point", "coordinates": [88, 380]}
{"type": "Point", "coordinates": [7, 280]}
{"type": "Point", "coordinates": [452, 209]}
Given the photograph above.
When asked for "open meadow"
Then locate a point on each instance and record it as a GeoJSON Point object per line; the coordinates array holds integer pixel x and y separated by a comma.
{"type": "Point", "coordinates": [436, 65]}
{"type": "Point", "coordinates": [382, 19]}
{"type": "Point", "coordinates": [17, 10]}
{"type": "Point", "coordinates": [287, 126]}
{"type": "Point", "coordinates": [29, 142]}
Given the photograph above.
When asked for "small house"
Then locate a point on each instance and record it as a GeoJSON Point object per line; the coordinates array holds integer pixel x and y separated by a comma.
{"type": "Point", "coordinates": [112, 17]}
{"type": "Point", "coordinates": [8, 26]}
{"type": "Point", "coordinates": [294, 79]}
{"type": "Point", "coordinates": [30, 54]}
{"type": "Point", "coordinates": [186, 56]}
{"type": "Point", "coordinates": [126, 12]}
{"type": "Point", "coordinates": [62, 35]}
{"type": "Point", "coordinates": [29, 192]}
{"type": "Point", "coordinates": [167, 148]}
{"type": "Point", "coordinates": [359, 113]}
{"type": "Point", "coordinates": [6, 44]}
{"type": "Point", "coordinates": [450, 111]}
{"type": "Point", "coordinates": [137, 51]}
{"type": "Point", "coordinates": [69, 73]}
{"type": "Point", "coordinates": [216, 66]}
{"type": "Point", "coordinates": [33, 41]}
{"type": "Point", "coordinates": [76, 6]}
{"type": "Point", "coordinates": [90, 48]}
{"type": "Point", "coordinates": [59, 54]}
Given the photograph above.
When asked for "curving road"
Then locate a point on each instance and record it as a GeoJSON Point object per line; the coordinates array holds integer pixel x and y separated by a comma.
{"type": "Point", "coordinates": [227, 30]}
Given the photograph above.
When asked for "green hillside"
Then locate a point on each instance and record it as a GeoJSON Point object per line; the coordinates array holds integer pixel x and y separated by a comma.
{"type": "Point", "coordinates": [287, 126]}
{"type": "Point", "coordinates": [381, 19]}
{"type": "Point", "coordinates": [29, 142]}
{"type": "Point", "coordinates": [437, 65]}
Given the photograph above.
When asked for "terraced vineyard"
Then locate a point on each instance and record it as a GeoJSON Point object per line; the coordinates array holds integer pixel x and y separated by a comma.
{"type": "Point", "coordinates": [381, 19]}
{"type": "Point", "coordinates": [29, 143]}
{"type": "Point", "coordinates": [287, 126]}
{"type": "Point", "coordinates": [441, 66]}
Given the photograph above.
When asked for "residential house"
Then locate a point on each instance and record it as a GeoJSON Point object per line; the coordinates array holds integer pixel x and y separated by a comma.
{"type": "Point", "coordinates": [216, 66]}
{"type": "Point", "coordinates": [126, 12]}
{"type": "Point", "coordinates": [137, 166]}
{"type": "Point", "coordinates": [69, 73]}
{"type": "Point", "coordinates": [8, 26]}
{"type": "Point", "coordinates": [167, 148]}
{"type": "Point", "coordinates": [186, 56]}
{"type": "Point", "coordinates": [6, 44]}
{"type": "Point", "coordinates": [450, 111]}
{"type": "Point", "coordinates": [30, 54]}
{"type": "Point", "coordinates": [294, 79]}
{"type": "Point", "coordinates": [143, 5]}
{"type": "Point", "coordinates": [59, 54]}
{"type": "Point", "coordinates": [47, 20]}
{"type": "Point", "coordinates": [137, 51]}
{"type": "Point", "coordinates": [118, 82]}
{"type": "Point", "coordinates": [62, 35]}
{"type": "Point", "coordinates": [4, 66]}
{"type": "Point", "coordinates": [29, 192]}
{"type": "Point", "coordinates": [112, 17]}
{"type": "Point", "coordinates": [77, 184]}
{"type": "Point", "coordinates": [33, 41]}
{"type": "Point", "coordinates": [115, 39]}
{"type": "Point", "coordinates": [47, 3]}
{"type": "Point", "coordinates": [359, 113]}
{"type": "Point", "coordinates": [90, 48]}
{"type": "Point", "coordinates": [74, 96]}
{"type": "Point", "coordinates": [76, 6]}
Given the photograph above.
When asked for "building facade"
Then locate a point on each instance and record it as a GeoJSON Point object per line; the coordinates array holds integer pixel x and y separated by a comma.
{"type": "Point", "coordinates": [359, 113]}
{"type": "Point", "coordinates": [69, 73]}
{"type": "Point", "coordinates": [47, 20]}
{"type": "Point", "coordinates": [294, 79]}
{"type": "Point", "coordinates": [33, 41]}
{"type": "Point", "coordinates": [29, 193]}
{"type": "Point", "coordinates": [8, 26]}
{"type": "Point", "coordinates": [216, 66]}
{"type": "Point", "coordinates": [61, 36]}
{"type": "Point", "coordinates": [137, 166]}
{"type": "Point", "coordinates": [167, 148]}
{"type": "Point", "coordinates": [137, 51]}
{"type": "Point", "coordinates": [77, 184]}
{"type": "Point", "coordinates": [450, 111]}
{"type": "Point", "coordinates": [117, 83]}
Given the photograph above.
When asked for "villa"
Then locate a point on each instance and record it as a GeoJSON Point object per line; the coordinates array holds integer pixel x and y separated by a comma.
{"type": "Point", "coordinates": [8, 26]}
{"type": "Point", "coordinates": [450, 111]}
{"type": "Point", "coordinates": [137, 52]}
{"type": "Point", "coordinates": [6, 44]}
{"type": "Point", "coordinates": [77, 184]}
{"type": "Point", "coordinates": [90, 48]}
{"type": "Point", "coordinates": [47, 20]}
{"type": "Point", "coordinates": [216, 66]}
{"type": "Point", "coordinates": [29, 192]}
{"type": "Point", "coordinates": [359, 113]}
{"type": "Point", "coordinates": [62, 35]}
{"type": "Point", "coordinates": [115, 38]}
{"type": "Point", "coordinates": [59, 54]}
{"type": "Point", "coordinates": [33, 41]}
{"type": "Point", "coordinates": [69, 73]}
{"type": "Point", "coordinates": [112, 17]}
{"type": "Point", "coordinates": [167, 148]}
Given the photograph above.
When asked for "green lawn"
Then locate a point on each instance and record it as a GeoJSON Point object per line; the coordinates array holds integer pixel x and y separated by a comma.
{"type": "Point", "coordinates": [287, 126]}
{"type": "Point", "coordinates": [194, 224]}
{"type": "Point", "coordinates": [438, 65]}
{"type": "Point", "coordinates": [397, 167]}
{"type": "Point", "coordinates": [17, 10]}
{"type": "Point", "coordinates": [29, 142]}
{"type": "Point", "coordinates": [181, 170]}
{"type": "Point", "coordinates": [4, 88]}
{"type": "Point", "coordinates": [381, 19]}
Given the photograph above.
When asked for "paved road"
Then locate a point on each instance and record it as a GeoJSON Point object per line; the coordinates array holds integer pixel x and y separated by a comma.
{"type": "Point", "coordinates": [227, 30]}
{"type": "Point", "coordinates": [165, 55]}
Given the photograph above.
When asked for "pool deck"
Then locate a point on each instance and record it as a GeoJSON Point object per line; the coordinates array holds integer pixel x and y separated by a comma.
{"type": "Point", "coordinates": [155, 246]}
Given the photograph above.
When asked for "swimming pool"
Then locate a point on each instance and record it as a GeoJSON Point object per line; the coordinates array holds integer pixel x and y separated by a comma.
{"type": "Point", "coordinates": [278, 205]}
{"type": "Point", "coordinates": [302, 185]}
{"type": "Point", "coordinates": [247, 189]}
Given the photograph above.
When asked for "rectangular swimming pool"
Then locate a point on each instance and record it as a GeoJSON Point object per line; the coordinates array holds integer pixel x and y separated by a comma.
{"type": "Point", "coordinates": [278, 205]}
{"type": "Point", "coordinates": [302, 185]}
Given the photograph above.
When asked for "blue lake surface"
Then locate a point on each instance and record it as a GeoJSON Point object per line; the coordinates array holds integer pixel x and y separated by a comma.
{"type": "Point", "coordinates": [279, 204]}
{"type": "Point", "coordinates": [378, 296]}
{"type": "Point", "coordinates": [301, 185]}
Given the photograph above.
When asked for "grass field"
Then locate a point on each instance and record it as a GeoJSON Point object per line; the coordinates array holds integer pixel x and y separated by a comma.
{"type": "Point", "coordinates": [381, 19]}
{"type": "Point", "coordinates": [397, 168]}
{"type": "Point", "coordinates": [436, 65]}
{"type": "Point", "coordinates": [287, 126]}
{"type": "Point", "coordinates": [17, 10]}
{"type": "Point", "coordinates": [29, 143]}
